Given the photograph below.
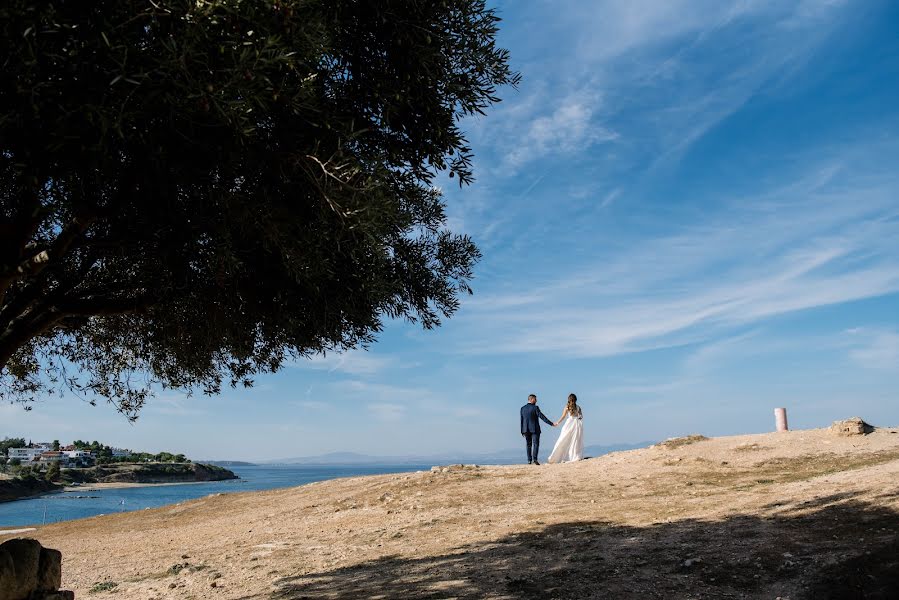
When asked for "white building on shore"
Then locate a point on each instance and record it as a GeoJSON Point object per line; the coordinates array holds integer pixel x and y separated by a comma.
{"type": "Point", "coordinates": [29, 453]}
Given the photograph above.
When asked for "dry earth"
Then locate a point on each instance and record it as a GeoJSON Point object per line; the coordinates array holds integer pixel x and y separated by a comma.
{"type": "Point", "coordinates": [804, 514]}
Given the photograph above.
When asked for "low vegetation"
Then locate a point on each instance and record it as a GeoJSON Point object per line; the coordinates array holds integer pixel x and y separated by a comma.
{"type": "Point", "coordinates": [105, 586]}
{"type": "Point", "coordinates": [682, 441]}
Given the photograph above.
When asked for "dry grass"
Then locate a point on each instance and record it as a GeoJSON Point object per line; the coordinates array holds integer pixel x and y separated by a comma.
{"type": "Point", "coordinates": [679, 442]}
{"type": "Point", "coordinates": [750, 448]}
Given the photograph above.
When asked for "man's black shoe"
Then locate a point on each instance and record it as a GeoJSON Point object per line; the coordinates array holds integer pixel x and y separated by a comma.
{"type": "Point", "coordinates": [536, 463]}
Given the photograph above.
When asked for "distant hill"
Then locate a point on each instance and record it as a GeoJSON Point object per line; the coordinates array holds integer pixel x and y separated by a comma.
{"type": "Point", "coordinates": [499, 457]}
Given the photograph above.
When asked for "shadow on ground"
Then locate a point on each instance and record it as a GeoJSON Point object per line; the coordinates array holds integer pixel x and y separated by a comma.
{"type": "Point", "coordinates": [831, 548]}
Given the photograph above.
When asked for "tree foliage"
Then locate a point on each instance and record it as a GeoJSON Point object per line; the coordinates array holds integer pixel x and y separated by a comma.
{"type": "Point", "coordinates": [53, 472]}
{"type": "Point", "coordinates": [194, 191]}
{"type": "Point", "coordinates": [8, 442]}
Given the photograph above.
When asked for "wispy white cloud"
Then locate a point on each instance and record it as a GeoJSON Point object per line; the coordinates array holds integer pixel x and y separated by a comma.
{"type": "Point", "coordinates": [651, 388]}
{"type": "Point", "coordinates": [353, 362]}
{"type": "Point", "coordinates": [384, 411]}
{"type": "Point", "coordinates": [312, 404]}
{"type": "Point", "coordinates": [647, 79]}
{"type": "Point", "coordinates": [875, 349]}
{"type": "Point", "coordinates": [569, 128]}
{"type": "Point", "coordinates": [171, 404]}
{"type": "Point", "coordinates": [819, 242]}
{"type": "Point", "coordinates": [706, 356]}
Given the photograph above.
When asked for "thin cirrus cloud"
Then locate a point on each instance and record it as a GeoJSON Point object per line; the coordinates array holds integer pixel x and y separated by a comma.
{"type": "Point", "coordinates": [386, 411]}
{"type": "Point", "coordinates": [622, 97]}
{"type": "Point", "coordinates": [353, 362]}
{"type": "Point", "coordinates": [876, 349]}
{"type": "Point", "coordinates": [634, 77]}
{"type": "Point", "coordinates": [804, 245]}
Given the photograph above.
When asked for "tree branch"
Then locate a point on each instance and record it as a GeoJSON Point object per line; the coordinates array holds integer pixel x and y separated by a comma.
{"type": "Point", "coordinates": [17, 233]}
{"type": "Point", "coordinates": [19, 334]}
{"type": "Point", "coordinates": [96, 307]}
{"type": "Point", "coordinates": [39, 261]}
{"type": "Point", "coordinates": [28, 327]}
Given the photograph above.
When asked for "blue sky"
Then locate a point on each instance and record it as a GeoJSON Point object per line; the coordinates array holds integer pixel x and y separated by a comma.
{"type": "Point", "coordinates": [689, 213]}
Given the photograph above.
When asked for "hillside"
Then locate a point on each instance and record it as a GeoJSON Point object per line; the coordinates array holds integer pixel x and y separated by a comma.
{"type": "Point", "coordinates": [148, 473]}
{"type": "Point", "coordinates": [804, 514]}
{"type": "Point", "coordinates": [16, 488]}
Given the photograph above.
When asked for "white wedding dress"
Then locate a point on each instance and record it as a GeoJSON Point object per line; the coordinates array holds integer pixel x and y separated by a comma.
{"type": "Point", "coordinates": [570, 445]}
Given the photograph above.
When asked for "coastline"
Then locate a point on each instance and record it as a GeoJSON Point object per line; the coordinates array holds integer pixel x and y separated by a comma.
{"type": "Point", "coordinates": [12, 490]}
{"type": "Point", "coordinates": [124, 475]}
{"type": "Point", "coordinates": [95, 487]}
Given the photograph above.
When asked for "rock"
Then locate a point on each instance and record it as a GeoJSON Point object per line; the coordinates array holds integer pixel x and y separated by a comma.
{"type": "Point", "coordinates": [29, 571]}
{"type": "Point", "coordinates": [853, 426]}
{"type": "Point", "coordinates": [19, 575]}
{"type": "Point", "coordinates": [49, 570]}
{"type": "Point", "coordinates": [692, 561]}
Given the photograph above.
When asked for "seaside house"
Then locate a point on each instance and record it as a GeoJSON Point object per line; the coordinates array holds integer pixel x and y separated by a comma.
{"type": "Point", "coordinates": [79, 458]}
{"type": "Point", "coordinates": [53, 456]}
{"type": "Point", "coordinates": [28, 453]}
{"type": "Point", "coordinates": [120, 452]}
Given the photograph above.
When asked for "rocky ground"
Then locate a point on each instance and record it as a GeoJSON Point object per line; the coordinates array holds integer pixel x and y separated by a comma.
{"type": "Point", "coordinates": [804, 514]}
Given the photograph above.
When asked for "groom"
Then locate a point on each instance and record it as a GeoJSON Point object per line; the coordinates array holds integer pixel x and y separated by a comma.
{"type": "Point", "coordinates": [530, 427]}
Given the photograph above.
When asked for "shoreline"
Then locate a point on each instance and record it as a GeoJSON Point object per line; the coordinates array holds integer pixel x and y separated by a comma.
{"type": "Point", "coordinates": [13, 489]}
{"type": "Point", "coordinates": [55, 488]}
{"type": "Point", "coordinates": [96, 487]}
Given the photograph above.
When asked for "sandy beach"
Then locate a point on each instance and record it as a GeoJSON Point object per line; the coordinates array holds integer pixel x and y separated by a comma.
{"type": "Point", "coordinates": [790, 515]}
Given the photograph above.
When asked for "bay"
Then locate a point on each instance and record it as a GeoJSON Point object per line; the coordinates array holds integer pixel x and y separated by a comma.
{"type": "Point", "coordinates": [66, 506]}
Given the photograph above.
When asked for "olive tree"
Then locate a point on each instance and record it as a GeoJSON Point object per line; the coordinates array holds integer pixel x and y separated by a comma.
{"type": "Point", "coordinates": [193, 192]}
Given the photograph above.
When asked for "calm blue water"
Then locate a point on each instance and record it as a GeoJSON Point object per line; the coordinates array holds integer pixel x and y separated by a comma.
{"type": "Point", "coordinates": [66, 506]}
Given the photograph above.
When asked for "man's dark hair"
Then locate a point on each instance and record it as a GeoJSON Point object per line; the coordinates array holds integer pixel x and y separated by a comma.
{"type": "Point", "coordinates": [534, 396]}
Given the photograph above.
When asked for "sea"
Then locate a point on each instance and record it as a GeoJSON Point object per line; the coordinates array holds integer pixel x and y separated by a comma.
{"type": "Point", "coordinates": [66, 506]}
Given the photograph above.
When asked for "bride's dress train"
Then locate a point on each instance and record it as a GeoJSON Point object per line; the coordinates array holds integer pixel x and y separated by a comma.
{"type": "Point", "coordinates": [570, 445]}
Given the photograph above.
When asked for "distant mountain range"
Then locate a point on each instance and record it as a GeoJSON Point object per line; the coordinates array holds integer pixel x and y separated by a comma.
{"type": "Point", "coordinates": [500, 457]}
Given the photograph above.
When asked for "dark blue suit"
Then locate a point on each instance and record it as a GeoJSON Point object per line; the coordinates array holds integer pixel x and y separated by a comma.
{"type": "Point", "coordinates": [530, 429]}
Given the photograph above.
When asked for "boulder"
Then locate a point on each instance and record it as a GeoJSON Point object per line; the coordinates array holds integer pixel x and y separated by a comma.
{"type": "Point", "coordinates": [19, 577]}
{"type": "Point", "coordinates": [29, 571]}
{"type": "Point", "coordinates": [853, 426]}
{"type": "Point", "coordinates": [50, 570]}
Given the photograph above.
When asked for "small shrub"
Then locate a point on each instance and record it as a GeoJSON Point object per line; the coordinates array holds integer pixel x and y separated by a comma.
{"type": "Point", "coordinates": [682, 441]}
{"type": "Point", "coordinates": [105, 586]}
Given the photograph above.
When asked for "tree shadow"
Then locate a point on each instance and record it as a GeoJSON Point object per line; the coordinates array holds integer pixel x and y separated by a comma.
{"type": "Point", "coordinates": [834, 548]}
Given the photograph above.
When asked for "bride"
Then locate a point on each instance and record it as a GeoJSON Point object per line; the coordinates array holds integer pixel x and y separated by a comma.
{"type": "Point", "coordinates": [570, 445]}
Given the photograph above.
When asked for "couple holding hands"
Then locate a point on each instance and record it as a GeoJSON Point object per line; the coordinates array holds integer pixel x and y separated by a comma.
{"type": "Point", "coordinates": [569, 446]}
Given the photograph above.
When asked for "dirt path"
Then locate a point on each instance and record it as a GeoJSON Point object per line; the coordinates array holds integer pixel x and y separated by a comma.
{"type": "Point", "coordinates": [805, 514]}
